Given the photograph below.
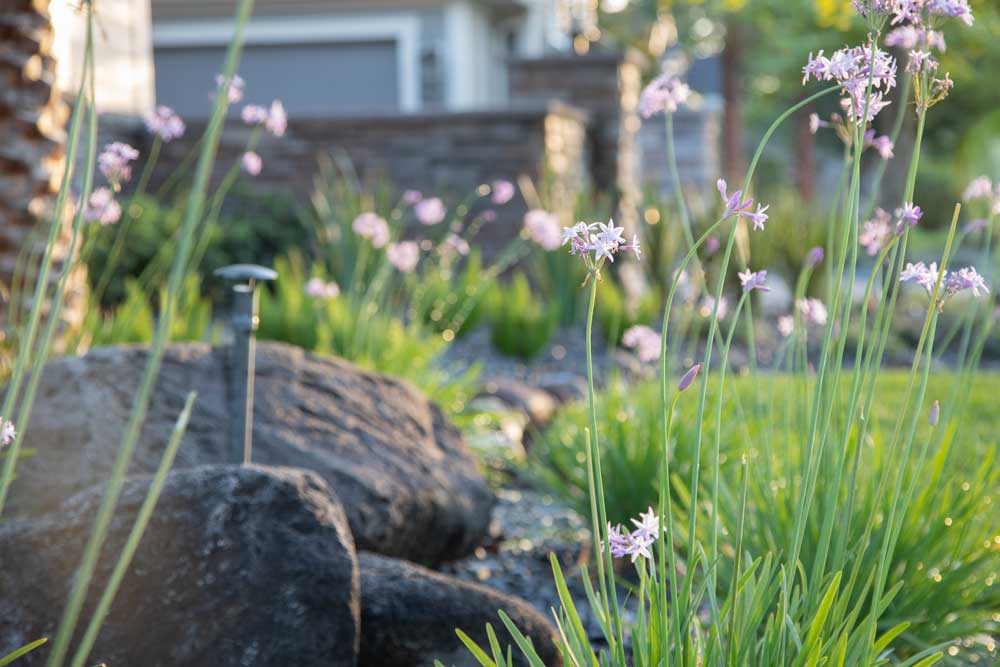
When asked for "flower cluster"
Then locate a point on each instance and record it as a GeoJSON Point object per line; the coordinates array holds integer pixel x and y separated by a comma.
{"type": "Point", "coordinates": [853, 68]}
{"type": "Point", "coordinates": [430, 211]}
{"type": "Point", "coordinates": [812, 311]}
{"type": "Point", "coordinates": [165, 123]}
{"type": "Point", "coordinates": [274, 119]}
{"type": "Point", "coordinates": [502, 192]}
{"type": "Point", "coordinates": [251, 163]}
{"type": "Point", "coordinates": [751, 280]}
{"type": "Point", "coordinates": [597, 241]}
{"type": "Point", "coordinates": [115, 162]}
{"type": "Point", "coordinates": [883, 144]}
{"type": "Point", "coordinates": [370, 226]}
{"type": "Point", "coordinates": [637, 543]}
{"type": "Point", "coordinates": [916, 13]}
{"type": "Point", "coordinates": [875, 233]}
{"type": "Point", "coordinates": [644, 340]}
{"type": "Point", "coordinates": [234, 92]}
{"type": "Point", "coordinates": [953, 282]}
{"type": "Point", "coordinates": [736, 205]}
{"type": "Point", "coordinates": [102, 207]}
{"type": "Point", "coordinates": [542, 227]}
{"type": "Point", "coordinates": [7, 432]}
{"type": "Point", "coordinates": [404, 255]}
{"type": "Point", "coordinates": [664, 93]}
{"type": "Point", "coordinates": [320, 289]}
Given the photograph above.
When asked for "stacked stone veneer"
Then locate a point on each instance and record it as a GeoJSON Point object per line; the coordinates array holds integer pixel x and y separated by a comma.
{"type": "Point", "coordinates": [447, 154]}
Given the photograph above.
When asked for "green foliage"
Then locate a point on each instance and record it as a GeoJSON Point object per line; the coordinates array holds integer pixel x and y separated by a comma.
{"type": "Point", "coordinates": [946, 554]}
{"type": "Point", "coordinates": [448, 298]}
{"type": "Point", "coordinates": [253, 228]}
{"type": "Point", "coordinates": [357, 330]}
{"type": "Point", "coordinates": [521, 323]}
{"type": "Point", "coordinates": [616, 313]}
{"type": "Point", "coordinates": [134, 320]}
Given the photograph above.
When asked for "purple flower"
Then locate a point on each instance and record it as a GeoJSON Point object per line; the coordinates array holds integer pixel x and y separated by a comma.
{"type": "Point", "coordinates": [277, 119]}
{"type": "Point", "coordinates": [876, 232]}
{"type": "Point", "coordinates": [165, 123]}
{"type": "Point", "coordinates": [812, 311]}
{"type": "Point", "coordinates": [977, 225]}
{"type": "Point", "coordinates": [853, 68]}
{"type": "Point", "coordinates": [489, 215]}
{"type": "Point", "coordinates": [252, 163]}
{"type": "Point", "coordinates": [735, 204]}
{"type": "Point", "coordinates": [965, 279]}
{"type": "Point", "coordinates": [786, 325]}
{"type": "Point", "coordinates": [712, 245]}
{"type": "Point", "coordinates": [503, 192]}
{"type": "Point", "coordinates": [882, 144]}
{"type": "Point", "coordinates": [921, 62]}
{"type": "Point", "coordinates": [664, 93]}
{"type": "Point", "coordinates": [317, 288]}
{"type": "Point", "coordinates": [978, 188]}
{"type": "Point", "coordinates": [909, 214]}
{"type": "Point", "coordinates": [115, 163]}
{"type": "Point", "coordinates": [647, 526]}
{"type": "Point", "coordinates": [403, 255]}
{"type": "Point", "coordinates": [542, 227]}
{"type": "Point", "coordinates": [234, 93]}
{"type": "Point", "coordinates": [815, 123]}
{"type": "Point", "coordinates": [644, 340]}
{"type": "Point", "coordinates": [688, 378]}
{"type": "Point", "coordinates": [102, 207]}
{"type": "Point", "coordinates": [412, 197]}
{"type": "Point", "coordinates": [759, 217]}
{"type": "Point", "coordinates": [751, 280]}
{"type": "Point", "coordinates": [430, 211]}
{"type": "Point", "coordinates": [604, 240]}
{"type": "Point", "coordinates": [7, 432]}
{"type": "Point", "coordinates": [617, 544]}
{"type": "Point", "coordinates": [814, 257]}
{"type": "Point", "coordinates": [935, 414]}
{"type": "Point", "coordinates": [921, 274]}
{"type": "Point", "coordinates": [254, 114]}
{"type": "Point", "coordinates": [958, 9]}
{"type": "Point", "coordinates": [370, 226]}
{"type": "Point", "coordinates": [457, 243]}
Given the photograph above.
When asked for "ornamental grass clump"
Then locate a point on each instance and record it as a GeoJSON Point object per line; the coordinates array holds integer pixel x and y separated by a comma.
{"type": "Point", "coordinates": [795, 536]}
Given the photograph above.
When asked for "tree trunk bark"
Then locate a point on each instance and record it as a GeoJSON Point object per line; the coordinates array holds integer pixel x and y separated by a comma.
{"type": "Point", "coordinates": [805, 159]}
{"type": "Point", "coordinates": [733, 75]}
{"type": "Point", "coordinates": [32, 136]}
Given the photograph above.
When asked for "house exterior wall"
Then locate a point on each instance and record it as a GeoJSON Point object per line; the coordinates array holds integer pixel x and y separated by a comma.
{"type": "Point", "coordinates": [122, 51]}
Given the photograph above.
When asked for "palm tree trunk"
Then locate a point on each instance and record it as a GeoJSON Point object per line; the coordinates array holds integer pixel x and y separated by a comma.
{"type": "Point", "coordinates": [32, 135]}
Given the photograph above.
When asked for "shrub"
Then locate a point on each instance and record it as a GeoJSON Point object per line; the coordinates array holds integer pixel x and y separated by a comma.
{"type": "Point", "coordinates": [521, 324]}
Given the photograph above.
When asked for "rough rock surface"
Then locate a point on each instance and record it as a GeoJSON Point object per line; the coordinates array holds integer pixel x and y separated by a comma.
{"type": "Point", "coordinates": [399, 467]}
{"type": "Point", "coordinates": [238, 566]}
{"type": "Point", "coordinates": [409, 615]}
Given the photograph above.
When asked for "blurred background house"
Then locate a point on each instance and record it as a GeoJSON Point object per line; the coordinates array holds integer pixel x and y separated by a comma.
{"type": "Point", "coordinates": [437, 95]}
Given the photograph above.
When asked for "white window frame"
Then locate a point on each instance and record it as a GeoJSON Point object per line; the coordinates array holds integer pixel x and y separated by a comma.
{"type": "Point", "coordinates": [403, 29]}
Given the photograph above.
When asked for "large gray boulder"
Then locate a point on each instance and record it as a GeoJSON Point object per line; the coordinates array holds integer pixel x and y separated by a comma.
{"type": "Point", "coordinates": [409, 615]}
{"type": "Point", "coordinates": [407, 481]}
{"type": "Point", "coordinates": [238, 566]}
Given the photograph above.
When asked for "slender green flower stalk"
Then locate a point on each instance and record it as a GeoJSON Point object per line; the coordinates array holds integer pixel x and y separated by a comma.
{"type": "Point", "coordinates": [193, 214]}
{"type": "Point", "coordinates": [132, 542]}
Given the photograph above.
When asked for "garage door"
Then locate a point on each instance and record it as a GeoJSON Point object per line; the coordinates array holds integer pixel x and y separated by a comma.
{"type": "Point", "coordinates": [315, 79]}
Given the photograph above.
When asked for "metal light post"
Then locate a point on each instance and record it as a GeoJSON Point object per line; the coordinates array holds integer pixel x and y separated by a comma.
{"type": "Point", "coordinates": [240, 361]}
